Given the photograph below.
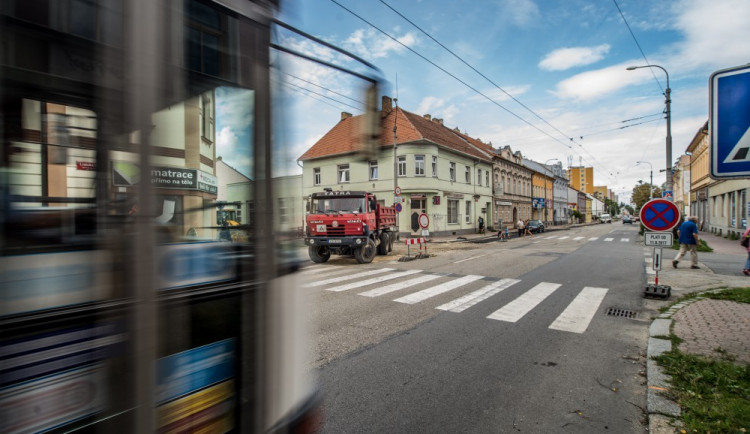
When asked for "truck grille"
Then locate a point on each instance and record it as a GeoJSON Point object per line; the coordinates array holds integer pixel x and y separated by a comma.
{"type": "Point", "coordinates": [336, 232]}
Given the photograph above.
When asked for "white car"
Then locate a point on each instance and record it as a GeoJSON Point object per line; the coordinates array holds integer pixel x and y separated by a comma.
{"type": "Point", "coordinates": [605, 218]}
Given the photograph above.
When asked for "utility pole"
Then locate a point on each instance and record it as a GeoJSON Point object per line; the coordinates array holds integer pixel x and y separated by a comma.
{"type": "Point", "coordinates": [395, 166]}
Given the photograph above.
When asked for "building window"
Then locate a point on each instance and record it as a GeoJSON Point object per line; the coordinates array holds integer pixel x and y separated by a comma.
{"type": "Point", "coordinates": [373, 170]}
{"type": "Point", "coordinates": [418, 203]}
{"type": "Point", "coordinates": [204, 33]}
{"type": "Point", "coordinates": [419, 165]}
{"type": "Point", "coordinates": [434, 166]}
{"type": "Point", "coordinates": [467, 174]}
{"type": "Point", "coordinates": [487, 178]}
{"type": "Point", "coordinates": [316, 176]}
{"type": "Point", "coordinates": [207, 118]}
{"type": "Point", "coordinates": [402, 165]}
{"type": "Point", "coordinates": [479, 177]}
{"type": "Point", "coordinates": [468, 211]}
{"type": "Point", "coordinates": [343, 173]}
{"type": "Point", "coordinates": [453, 172]}
{"type": "Point", "coordinates": [452, 211]}
{"type": "Point", "coordinates": [283, 210]}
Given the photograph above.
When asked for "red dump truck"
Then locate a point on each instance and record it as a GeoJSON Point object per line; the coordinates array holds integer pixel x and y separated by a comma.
{"type": "Point", "coordinates": [348, 223]}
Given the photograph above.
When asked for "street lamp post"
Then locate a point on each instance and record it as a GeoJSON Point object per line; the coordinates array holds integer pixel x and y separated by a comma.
{"type": "Point", "coordinates": [546, 220]}
{"type": "Point", "coordinates": [651, 171]}
{"type": "Point", "coordinates": [668, 102]}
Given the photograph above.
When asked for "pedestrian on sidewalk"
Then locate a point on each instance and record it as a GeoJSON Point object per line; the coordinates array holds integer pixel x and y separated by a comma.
{"type": "Point", "coordinates": [526, 229]}
{"type": "Point", "coordinates": [688, 237]}
{"type": "Point", "coordinates": [520, 227]}
{"type": "Point", "coordinates": [746, 236]}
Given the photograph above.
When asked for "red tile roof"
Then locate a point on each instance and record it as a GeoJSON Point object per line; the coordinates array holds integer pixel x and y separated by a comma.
{"type": "Point", "coordinates": [342, 138]}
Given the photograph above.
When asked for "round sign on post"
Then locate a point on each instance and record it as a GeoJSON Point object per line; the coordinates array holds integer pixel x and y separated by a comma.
{"type": "Point", "coordinates": [659, 215]}
{"type": "Point", "coordinates": [424, 221]}
{"type": "Point", "coordinates": [398, 191]}
{"type": "Point", "coordinates": [398, 207]}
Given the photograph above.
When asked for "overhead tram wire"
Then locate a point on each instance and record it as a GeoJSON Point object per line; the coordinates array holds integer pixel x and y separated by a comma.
{"type": "Point", "coordinates": [322, 95]}
{"type": "Point", "coordinates": [638, 45]}
{"type": "Point", "coordinates": [323, 87]}
{"type": "Point", "coordinates": [483, 76]}
{"type": "Point", "coordinates": [452, 75]}
{"type": "Point", "coordinates": [302, 90]}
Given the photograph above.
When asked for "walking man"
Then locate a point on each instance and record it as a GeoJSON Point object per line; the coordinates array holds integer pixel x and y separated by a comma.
{"type": "Point", "coordinates": [688, 237]}
{"type": "Point", "coordinates": [519, 226]}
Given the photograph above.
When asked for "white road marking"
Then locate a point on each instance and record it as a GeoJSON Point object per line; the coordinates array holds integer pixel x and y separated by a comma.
{"type": "Point", "coordinates": [565, 237]}
{"type": "Point", "coordinates": [577, 316]}
{"type": "Point", "coordinates": [550, 237]}
{"type": "Point", "coordinates": [318, 269]}
{"type": "Point", "coordinates": [374, 280]}
{"type": "Point", "coordinates": [400, 285]}
{"type": "Point", "coordinates": [519, 307]}
{"type": "Point", "coordinates": [437, 290]}
{"type": "Point", "coordinates": [469, 259]}
{"type": "Point", "coordinates": [469, 300]}
{"type": "Point", "coordinates": [347, 277]}
{"type": "Point", "coordinates": [577, 238]}
{"type": "Point", "coordinates": [624, 240]}
{"type": "Point", "coordinates": [608, 239]}
{"type": "Point", "coordinates": [593, 238]}
{"type": "Point", "coordinates": [535, 242]}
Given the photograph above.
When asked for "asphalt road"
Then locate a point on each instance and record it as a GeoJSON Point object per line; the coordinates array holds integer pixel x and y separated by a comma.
{"type": "Point", "coordinates": [536, 352]}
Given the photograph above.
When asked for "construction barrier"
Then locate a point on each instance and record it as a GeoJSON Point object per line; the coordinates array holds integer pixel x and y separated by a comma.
{"type": "Point", "coordinates": [412, 241]}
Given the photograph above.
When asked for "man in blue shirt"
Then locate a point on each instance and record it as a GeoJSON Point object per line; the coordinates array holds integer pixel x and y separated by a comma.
{"type": "Point", "coordinates": [688, 237]}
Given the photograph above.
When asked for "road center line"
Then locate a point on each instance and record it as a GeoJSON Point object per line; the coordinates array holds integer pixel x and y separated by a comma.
{"type": "Point", "coordinates": [469, 259]}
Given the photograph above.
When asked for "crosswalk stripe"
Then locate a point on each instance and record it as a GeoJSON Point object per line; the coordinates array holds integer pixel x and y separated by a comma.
{"type": "Point", "coordinates": [565, 237]}
{"type": "Point", "coordinates": [374, 280]}
{"type": "Point", "coordinates": [400, 285]}
{"type": "Point", "coordinates": [577, 316]}
{"type": "Point", "coordinates": [550, 237]}
{"type": "Point", "coordinates": [519, 307]}
{"type": "Point", "coordinates": [469, 300]}
{"type": "Point", "coordinates": [577, 238]}
{"type": "Point", "coordinates": [608, 239]}
{"type": "Point", "coordinates": [347, 277]}
{"type": "Point", "coordinates": [624, 240]}
{"type": "Point", "coordinates": [593, 238]}
{"type": "Point", "coordinates": [316, 270]}
{"type": "Point", "coordinates": [437, 290]}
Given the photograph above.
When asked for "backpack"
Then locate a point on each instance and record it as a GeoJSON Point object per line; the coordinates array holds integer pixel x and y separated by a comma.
{"type": "Point", "coordinates": [745, 241]}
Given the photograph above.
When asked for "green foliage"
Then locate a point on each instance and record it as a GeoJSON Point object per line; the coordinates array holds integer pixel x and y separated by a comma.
{"type": "Point", "coordinates": [642, 194]}
{"type": "Point", "coordinates": [702, 245]}
{"type": "Point", "coordinates": [740, 295]}
{"type": "Point", "coordinates": [714, 394]}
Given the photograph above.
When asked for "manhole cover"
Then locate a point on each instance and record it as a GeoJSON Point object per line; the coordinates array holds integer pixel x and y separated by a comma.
{"type": "Point", "coordinates": [622, 313]}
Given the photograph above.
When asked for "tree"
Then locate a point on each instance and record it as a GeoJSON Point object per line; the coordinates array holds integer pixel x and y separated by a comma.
{"type": "Point", "coordinates": [628, 208]}
{"type": "Point", "coordinates": [611, 206]}
{"type": "Point", "coordinates": [641, 194]}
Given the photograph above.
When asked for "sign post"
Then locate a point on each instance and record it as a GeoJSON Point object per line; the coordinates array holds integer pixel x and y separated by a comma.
{"type": "Point", "coordinates": [659, 216]}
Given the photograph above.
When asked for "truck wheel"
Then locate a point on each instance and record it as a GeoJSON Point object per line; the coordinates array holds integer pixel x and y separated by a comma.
{"type": "Point", "coordinates": [383, 246]}
{"type": "Point", "coordinates": [319, 254]}
{"type": "Point", "coordinates": [391, 237]}
{"type": "Point", "coordinates": [366, 253]}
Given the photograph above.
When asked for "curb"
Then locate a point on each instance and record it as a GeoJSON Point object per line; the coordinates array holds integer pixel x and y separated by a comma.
{"type": "Point", "coordinates": [663, 413]}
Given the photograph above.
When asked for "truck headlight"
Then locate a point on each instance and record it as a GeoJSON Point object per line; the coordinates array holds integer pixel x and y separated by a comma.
{"type": "Point", "coordinates": [358, 241]}
{"type": "Point", "coordinates": [312, 242]}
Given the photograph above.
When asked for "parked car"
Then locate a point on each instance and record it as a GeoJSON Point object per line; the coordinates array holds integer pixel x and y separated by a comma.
{"type": "Point", "coordinates": [605, 218]}
{"type": "Point", "coordinates": [536, 226]}
{"type": "Point", "coordinates": [627, 219]}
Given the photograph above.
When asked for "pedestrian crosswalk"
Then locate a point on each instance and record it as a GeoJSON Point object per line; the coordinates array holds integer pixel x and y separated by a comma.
{"type": "Point", "coordinates": [581, 238]}
{"type": "Point", "coordinates": [425, 285]}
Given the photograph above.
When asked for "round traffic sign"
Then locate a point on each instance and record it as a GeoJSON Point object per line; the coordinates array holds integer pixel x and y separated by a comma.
{"type": "Point", "coordinates": [398, 191]}
{"type": "Point", "coordinates": [424, 221]}
{"type": "Point", "coordinates": [398, 207]}
{"type": "Point", "coordinates": [660, 215]}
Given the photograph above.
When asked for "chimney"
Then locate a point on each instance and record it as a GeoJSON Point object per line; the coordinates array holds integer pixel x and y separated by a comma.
{"type": "Point", "coordinates": [428, 116]}
{"type": "Point", "coordinates": [345, 115]}
{"type": "Point", "coordinates": [440, 121]}
{"type": "Point", "coordinates": [387, 106]}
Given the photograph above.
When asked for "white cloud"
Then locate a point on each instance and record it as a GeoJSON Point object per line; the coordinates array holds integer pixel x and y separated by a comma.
{"type": "Point", "coordinates": [566, 58]}
{"type": "Point", "coordinates": [430, 104]}
{"type": "Point", "coordinates": [716, 32]}
{"type": "Point", "coordinates": [522, 12]}
{"type": "Point", "coordinates": [590, 85]}
{"type": "Point", "coordinates": [371, 44]}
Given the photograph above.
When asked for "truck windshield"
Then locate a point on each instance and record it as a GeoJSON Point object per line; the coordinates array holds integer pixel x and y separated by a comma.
{"type": "Point", "coordinates": [338, 205]}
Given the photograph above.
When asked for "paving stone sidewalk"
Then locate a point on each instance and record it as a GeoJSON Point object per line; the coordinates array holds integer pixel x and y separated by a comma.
{"type": "Point", "coordinates": [713, 328]}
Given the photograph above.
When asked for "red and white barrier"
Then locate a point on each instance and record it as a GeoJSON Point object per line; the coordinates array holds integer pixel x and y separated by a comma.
{"type": "Point", "coordinates": [412, 241]}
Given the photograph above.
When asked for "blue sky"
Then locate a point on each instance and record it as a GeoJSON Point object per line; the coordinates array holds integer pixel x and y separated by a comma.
{"type": "Point", "coordinates": [564, 60]}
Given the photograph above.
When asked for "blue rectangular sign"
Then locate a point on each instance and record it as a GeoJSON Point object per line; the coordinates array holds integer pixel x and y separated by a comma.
{"type": "Point", "coordinates": [729, 125]}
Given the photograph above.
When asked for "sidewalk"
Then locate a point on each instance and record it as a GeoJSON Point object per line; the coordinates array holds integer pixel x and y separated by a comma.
{"type": "Point", "coordinates": [707, 327]}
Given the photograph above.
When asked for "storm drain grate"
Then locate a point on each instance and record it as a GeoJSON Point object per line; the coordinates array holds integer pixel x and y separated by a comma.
{"type": "Point", "coordinates": [621, 313]}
